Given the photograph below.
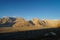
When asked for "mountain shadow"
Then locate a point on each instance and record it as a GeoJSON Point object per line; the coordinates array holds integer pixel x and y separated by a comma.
{"type": "Point", "coordinates": [42, 34]}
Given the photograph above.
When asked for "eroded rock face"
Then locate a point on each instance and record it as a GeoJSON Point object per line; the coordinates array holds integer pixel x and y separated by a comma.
{"type": "Point", "coordinates": [38, 22]}
{"type": "Point", "coordinates": [35, 21]}
{"type": "Point", "coordinates": [6, 21]}
{"type": "Point", "coordinates": [20, 22]}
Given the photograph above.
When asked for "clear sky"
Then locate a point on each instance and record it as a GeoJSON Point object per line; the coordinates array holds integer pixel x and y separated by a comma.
{"type": "Point", "coordinates": [30, 8]}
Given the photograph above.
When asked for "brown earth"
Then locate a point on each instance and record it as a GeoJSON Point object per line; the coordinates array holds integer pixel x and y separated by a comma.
{"type": "Point", "coordinates": [19, 28]}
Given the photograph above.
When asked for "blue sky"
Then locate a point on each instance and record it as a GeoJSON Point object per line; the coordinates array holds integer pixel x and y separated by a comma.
{"type": "Point", "coordinates": [28, 9]}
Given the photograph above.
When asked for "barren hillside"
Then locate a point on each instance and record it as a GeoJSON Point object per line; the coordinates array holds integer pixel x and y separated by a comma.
{"type": "Point", "coordinates": [21, 24]}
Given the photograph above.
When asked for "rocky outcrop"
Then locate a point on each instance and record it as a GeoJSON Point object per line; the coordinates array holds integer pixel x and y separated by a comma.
{"type": "Point", "coordinates": [21, 22]}
{"type": "Point", "coordinates": [7, 21]}
{"type": "Point", "coordinates": [38, 22]}
{"type": "Point", "coordinates": [18, 22]}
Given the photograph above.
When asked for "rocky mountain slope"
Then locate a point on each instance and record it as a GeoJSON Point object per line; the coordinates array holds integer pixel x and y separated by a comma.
{"type": "Point", "coordinates": [21, 22]}
{"type": "Point", "coordinates": [7, 21]}
{"type": "Point", "coordinates": [20, 28]}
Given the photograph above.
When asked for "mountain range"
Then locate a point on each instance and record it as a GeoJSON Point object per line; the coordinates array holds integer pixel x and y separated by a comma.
{"type": "Point", "coordinates": [20, 28]}
{"type": "Point", "coordinates": [21, 22]}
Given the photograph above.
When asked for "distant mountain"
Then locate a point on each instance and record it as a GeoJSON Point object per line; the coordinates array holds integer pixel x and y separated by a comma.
{"type": "Point", "coordinates": [7, 21]}
{"type": "Point", "coordinates": [52, 23]}
{"type": "Point", "coordinates": [38, 22]}
{"type": "Point", "coordinates": [21, 22]}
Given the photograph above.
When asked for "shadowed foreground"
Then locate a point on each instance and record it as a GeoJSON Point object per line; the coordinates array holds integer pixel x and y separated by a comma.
{"type": "Point", "coordinates": [32, 34]}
